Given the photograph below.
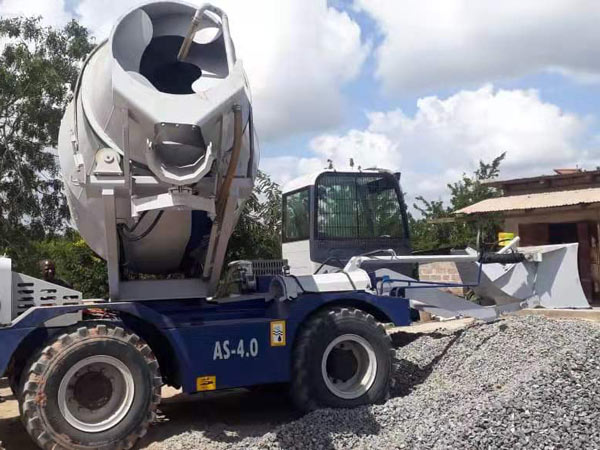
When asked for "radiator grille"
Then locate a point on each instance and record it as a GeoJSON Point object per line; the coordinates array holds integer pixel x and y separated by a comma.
{"type": "Point", "coordinates": [29, 292]}
{"type": "Point", "coordinates": [269, 267]}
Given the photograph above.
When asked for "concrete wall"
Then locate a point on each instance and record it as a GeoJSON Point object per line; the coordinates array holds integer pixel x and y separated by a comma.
{"type": "Point", "coordinates": [550, 215]}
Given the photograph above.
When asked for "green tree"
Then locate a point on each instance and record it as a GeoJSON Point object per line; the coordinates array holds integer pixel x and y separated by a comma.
{"type": "Point", "coordinates": [258, 232]}
{"type": "Point", "coordinates": [38, 69]}
{"type": "Point", "coordinates": [434, 229]}
{"type": "Point", "coordinates": [75, 263]}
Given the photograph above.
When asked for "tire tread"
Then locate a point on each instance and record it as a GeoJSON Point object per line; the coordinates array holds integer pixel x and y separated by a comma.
{"type": "Point", "coordinates": [31, 395]}
{"type": "Point", "coordinates": [301, 381]}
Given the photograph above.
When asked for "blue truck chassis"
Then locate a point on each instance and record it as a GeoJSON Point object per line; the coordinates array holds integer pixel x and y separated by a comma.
{"type": "Point", "coordinates": [203, 345]}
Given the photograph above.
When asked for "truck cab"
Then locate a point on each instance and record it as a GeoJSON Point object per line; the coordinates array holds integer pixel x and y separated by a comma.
{"type": "Point", "coordinates": [331, 216]}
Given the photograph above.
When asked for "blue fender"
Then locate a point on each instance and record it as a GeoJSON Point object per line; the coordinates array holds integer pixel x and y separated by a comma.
{"type": "Point", "coordinates": [11, 337]}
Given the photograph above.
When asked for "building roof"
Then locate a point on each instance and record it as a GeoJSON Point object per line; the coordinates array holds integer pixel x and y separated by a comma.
{"type": "Point", "coordinates": [534, 201]}
{"type": "Point", "coordinates": [584, 175]}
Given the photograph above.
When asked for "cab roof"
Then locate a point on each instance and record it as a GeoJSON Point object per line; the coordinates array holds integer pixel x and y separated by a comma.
{"type": "Point", "coordinates": [311, 179]}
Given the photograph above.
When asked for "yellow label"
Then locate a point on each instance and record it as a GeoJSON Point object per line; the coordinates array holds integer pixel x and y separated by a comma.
{"type": "Point", "coordinates": [206, 383]}
{"type": "Point", "coordinates": [505, 238]}
{"type": "Point", "coordinates": [278, 333]}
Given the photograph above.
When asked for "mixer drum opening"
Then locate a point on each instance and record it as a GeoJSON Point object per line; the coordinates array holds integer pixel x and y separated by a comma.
{"type": "Point", "coordinates": [147, 41]}
{"type": "Point", "coordinates": [160, 66]}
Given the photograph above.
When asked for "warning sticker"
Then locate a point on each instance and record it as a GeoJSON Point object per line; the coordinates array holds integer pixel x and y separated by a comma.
{"type": "Point", "coordinates": [278, 333]}
{"type": "Point", "coordinates": [206, 383]}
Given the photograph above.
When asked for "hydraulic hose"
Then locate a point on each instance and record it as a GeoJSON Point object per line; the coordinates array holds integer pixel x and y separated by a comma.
{"type": "Point", "coordinates": [195, 25]}
{"type": "Point", "coordinates": [233, 163]}
{"type": "Point", "coordinates": [502, 258]}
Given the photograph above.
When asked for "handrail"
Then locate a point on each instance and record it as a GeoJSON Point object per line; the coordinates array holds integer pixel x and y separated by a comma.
{"type": "Point", "coordinates": [196, 20]}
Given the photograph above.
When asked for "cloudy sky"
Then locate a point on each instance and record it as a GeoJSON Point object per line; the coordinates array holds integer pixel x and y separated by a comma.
{"type": "Point", "coordinates": [425, 87]}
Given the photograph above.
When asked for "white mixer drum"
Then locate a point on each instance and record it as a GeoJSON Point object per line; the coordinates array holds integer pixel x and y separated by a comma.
{"type": "Point", "coordinates": [170, 122]}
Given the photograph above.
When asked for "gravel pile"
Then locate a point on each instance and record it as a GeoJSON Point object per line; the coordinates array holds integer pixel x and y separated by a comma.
{"type": "Point", "coordinates": [523, 382]}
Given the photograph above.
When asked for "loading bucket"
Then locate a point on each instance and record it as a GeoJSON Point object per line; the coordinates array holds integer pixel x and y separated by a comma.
{"type": "Point", "coordinates": [549, 273]}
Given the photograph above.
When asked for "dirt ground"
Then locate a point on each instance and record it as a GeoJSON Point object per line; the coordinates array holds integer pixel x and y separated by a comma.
{"type": "Point", "coordinates": [250, 412]}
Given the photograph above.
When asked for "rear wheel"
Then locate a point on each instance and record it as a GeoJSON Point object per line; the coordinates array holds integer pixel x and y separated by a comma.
{"type": "Point", "coordinates": [94, 388]}
{"type": "Point", "coordinates": [342, 359]}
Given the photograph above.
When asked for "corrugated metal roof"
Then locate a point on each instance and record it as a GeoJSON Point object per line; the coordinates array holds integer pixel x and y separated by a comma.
{"type": "Point", "coordinates": [548, 177]}
{"type": "Point", "coordinates": [532, 201]}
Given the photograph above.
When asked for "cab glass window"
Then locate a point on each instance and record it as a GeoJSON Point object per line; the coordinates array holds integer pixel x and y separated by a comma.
{"type": "Point", "coordinates": [358, 206]}
{"type": "Point", "coordinates": [296, 220]}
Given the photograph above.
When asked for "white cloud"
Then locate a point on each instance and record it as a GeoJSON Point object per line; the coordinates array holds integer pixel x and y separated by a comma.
{"type": "Point", "coordinates": [52, 11]}
{"type": "Point", "coordinates": [283, 169]}
{"type": "Point", "coordinates": [298, 55]}
{"type": "Point", "coordinates": [471, 125]}
{"type": "Point", "coordinates": [447, 137]}
{"type": "Point", "coordinates": [366, 148]}
{"type": "Point", "coordinates": [446, 43]}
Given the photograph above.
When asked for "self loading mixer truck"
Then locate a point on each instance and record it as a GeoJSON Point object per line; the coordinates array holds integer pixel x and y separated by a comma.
{"type": "Point", "coordinates": [158, 153]}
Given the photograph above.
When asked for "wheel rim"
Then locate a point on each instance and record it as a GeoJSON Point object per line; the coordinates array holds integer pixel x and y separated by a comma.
{"type": "Point", "coordinates": [96, 393]}
{"type": "Point", "coordinates": [349, 366]}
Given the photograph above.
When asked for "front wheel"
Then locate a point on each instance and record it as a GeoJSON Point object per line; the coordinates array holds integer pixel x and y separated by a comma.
{"type": "Point", "coordinates": [94, 388]}
{"type": "Point", "coordinates": [342, 359]}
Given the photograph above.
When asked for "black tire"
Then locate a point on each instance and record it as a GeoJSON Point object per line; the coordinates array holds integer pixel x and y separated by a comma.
{"type": "Point", "coordinates": [41, 413]}
{"type": "Point", "coordinates": [309, 389]}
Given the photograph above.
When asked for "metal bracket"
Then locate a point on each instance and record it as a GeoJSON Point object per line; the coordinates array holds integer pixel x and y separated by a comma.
{"type": "Point", "coordinates": [108, 162]}
{"type": "Point", "coordinates": [78, 180]}
{"type": "Point", "coordinates": [112, 243]}
{"type": "Point", "coordinates": [173, 199]}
